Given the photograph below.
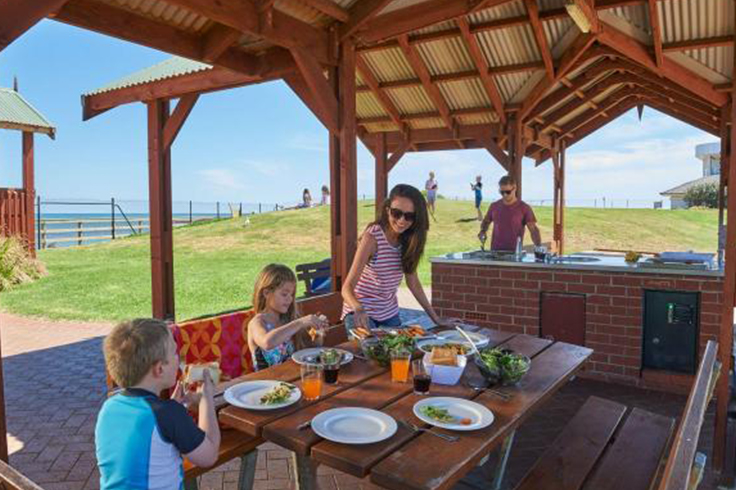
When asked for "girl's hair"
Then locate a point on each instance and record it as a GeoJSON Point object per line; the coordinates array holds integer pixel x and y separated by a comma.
{"type": "Point", "coordinates": [272, 277]}
{"type": "Point", "coordinates": [306, 191]}
{"type": "Point", "coordinates": [325, 189]}
{"type": "Point", "coordinates": [413, 239]}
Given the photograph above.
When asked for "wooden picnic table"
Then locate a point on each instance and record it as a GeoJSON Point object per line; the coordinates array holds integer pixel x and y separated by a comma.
{"type": "Point", "coordinates": [409, 459]}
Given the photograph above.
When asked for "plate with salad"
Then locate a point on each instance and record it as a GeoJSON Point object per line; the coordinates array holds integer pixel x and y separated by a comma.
{"type": "Point", "coordinates": [453, 413]}
{"type": "Point", "coordinates": [262, 395]}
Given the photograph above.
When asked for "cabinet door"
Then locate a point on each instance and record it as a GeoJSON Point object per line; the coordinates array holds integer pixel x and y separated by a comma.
{"type": "Point", "coordinates": [562, 317]}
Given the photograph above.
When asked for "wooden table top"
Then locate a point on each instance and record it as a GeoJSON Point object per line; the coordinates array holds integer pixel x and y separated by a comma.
{"type": "Point", "coordinates": [410, 460]}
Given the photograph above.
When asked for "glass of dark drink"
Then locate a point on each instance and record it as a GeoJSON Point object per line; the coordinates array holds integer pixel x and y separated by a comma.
{"type": "Point", "coordinates": [422, 377]}
{"type": "Point", "coordinates": [331, 372]}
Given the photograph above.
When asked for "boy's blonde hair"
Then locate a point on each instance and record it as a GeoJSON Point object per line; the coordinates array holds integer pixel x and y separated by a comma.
{"type": "Point", "coordinates": [133, 347]}
{"type": "Point", "coordinates": [272, 277]}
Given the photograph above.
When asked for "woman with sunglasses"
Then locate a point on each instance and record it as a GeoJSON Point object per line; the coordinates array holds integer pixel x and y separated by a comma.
{"type": "Point", "coordinates": [389, 251]}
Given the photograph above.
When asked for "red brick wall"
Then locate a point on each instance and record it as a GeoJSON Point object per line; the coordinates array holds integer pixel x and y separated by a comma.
{"type": "Point", "coordinates": [507, 298]}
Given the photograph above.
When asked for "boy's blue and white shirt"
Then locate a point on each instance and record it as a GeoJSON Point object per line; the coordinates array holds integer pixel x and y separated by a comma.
{"type": "Point", "coordinates": [140, 439]}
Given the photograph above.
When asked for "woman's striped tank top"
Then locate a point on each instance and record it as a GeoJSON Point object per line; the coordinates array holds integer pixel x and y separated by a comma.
{"type": "Point", "coordinates": [378, 284]}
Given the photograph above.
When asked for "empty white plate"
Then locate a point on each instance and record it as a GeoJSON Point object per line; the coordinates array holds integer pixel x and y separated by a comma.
{"type": "Point", "coordinates": [248, 395]}
{"type": "Point", "coordinates": [311, 355]}
{"type": "Point", "coordinates": [353, 425]}
{"type": "Point", "coordinates": [459, 408]}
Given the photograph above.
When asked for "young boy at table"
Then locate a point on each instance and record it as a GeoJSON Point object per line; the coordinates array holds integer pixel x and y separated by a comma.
{"type": "Point", "coordinates": [140, 437]}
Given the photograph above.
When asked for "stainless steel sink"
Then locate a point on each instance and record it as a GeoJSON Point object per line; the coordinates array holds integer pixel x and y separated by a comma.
{"type": "Point", "coordinates": [575, 259]}
{"type": "Point", "coordinates": [489, 255]}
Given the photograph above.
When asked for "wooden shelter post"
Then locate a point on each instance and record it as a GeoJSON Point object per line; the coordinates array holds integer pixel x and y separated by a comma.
{"type": "Point", "coordinates": [725, 340]}
{"type": "Point", "coordinates": [723, 177]}
{"type": "Point", "coordinates": [159, 196]}
{"type": "Point", "coordinates": [381, 172]}
{"type": "Point", "coordinates": [558, 162]}
{"type": "Point", "coordinates": [516, 150]}
{"type": "Point", "coordinates": [29, 188]}
{"type": "Point", "coordinates": [343, 167]}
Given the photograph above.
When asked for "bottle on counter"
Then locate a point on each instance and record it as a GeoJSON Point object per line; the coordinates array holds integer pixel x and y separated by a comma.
{"type": "Point", "coordinates": [519, 252]}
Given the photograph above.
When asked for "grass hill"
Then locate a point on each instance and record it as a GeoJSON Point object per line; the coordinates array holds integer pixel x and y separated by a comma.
{"type": "Point", "coordinates": [216, 263]}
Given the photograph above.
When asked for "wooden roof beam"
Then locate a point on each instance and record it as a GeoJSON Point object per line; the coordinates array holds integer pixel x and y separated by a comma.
{"type": "Point", "coordinates": [327, 7]}
{"type": "Point", "coordinates": [533, 10]}
{"type": "Point", "coordinates": [639, 53]}
{"type": "Point", "coordinates": [217, 41]}
{"type": "Point", "coordinates": [17, 16]}
{"type": "Point", "coordinates": [361, 12]}
{"type": "Point", "coordinates": [569, 60]}
{"type": "Point", "coordinates": [462, 132]}
{"type": "Point", "coordinates": [496, 152]}
{"type": "Point", "coordinates": [469, 111]}
{"type": "Point", "coordinates": [476, 54]}
{"type": "Point", "coordinates": [656, 31]}
{"type": "Point", "coordinates": [324, 96]}
{"type": "Point", "coordinates": [383, 99]}
{"type": "Point", "coordinates": [271, 25]}
{"type": "Point", "coordinates": [586, 9]}
{"type": "Point", "coordinates": [571, 126]}
{"type": "Point", "coordinates": [296, 82]}
{"type": "Point", "coordinates": [708, 42]}
{"type": "Point", "coordinates": [421, 70]}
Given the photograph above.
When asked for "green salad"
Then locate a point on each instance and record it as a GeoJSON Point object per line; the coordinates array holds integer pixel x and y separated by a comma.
{"type": "Point", "coordinates": [504, 364]}
{"type": "Point", "coordinates": [437, 413]}
{"type": "Point", "coordinates": [380, 348]}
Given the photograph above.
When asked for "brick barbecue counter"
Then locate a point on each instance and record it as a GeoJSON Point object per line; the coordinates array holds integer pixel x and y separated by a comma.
{"type": "Point", "coordinates": [606, 298]}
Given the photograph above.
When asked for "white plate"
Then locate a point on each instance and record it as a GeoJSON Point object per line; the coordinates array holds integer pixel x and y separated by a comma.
{"type": "Point", "coordinates": [427, 344]}
{"type": "Point", "coordinates": [352, 425]}
{"type": "Point", "coordinates": [306, 356]}
{"type": "Point", "coordinates": [479, 340]}
{"type": "Point", "coordinates": [248, 395]}
{"type": "Point", "coordinates": [459, 408]}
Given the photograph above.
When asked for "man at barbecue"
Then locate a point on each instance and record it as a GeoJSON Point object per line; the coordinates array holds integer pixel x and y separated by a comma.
{"type": "Point", "coordinates": [509, 215]}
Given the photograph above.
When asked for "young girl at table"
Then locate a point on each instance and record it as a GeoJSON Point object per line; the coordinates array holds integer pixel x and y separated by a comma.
{"type": "Point", "coordinates": [275, 332]}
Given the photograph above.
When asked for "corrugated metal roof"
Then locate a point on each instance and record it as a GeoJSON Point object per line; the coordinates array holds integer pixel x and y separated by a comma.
{"type": "Point", "coordinates": [509, 46]}
{"type": "Point", "coordinates": [170, 68]}
{"type": "Point", "coordinates": [446, 56]}
{"type": "Point", "coordinates": [717, 58]}
{"type": "Point", "coordinates": [367, 105]}
{"type": "Point", "coordinates": [683, 188]}
{"type": "Point", "coordinates": [683, 20]}
{"type": "Point", "coordinates": [503, 11]}
{"type": "Point", "coordinates": [636, 15]}
{"type": "Point", "coordinates": [162, 11]}
{"type": "Point", "coordinates": [17, 113]}
{"type": "Point", "coordinates": [464, 94]}
{"type": "Point", "coordinates": [555, 30]}
{"type": "Point", "coordinates": [410, 100]}
{"type": "Point", "coordinates": [388, 65]}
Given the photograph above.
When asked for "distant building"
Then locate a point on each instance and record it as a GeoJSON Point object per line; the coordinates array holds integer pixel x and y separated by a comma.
{"type": "Point", "coordinates": [710, 155]}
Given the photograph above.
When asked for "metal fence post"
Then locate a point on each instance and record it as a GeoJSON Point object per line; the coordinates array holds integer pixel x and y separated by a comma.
{"type": "Point", "coordinates": [259, 208]}
{"type": "Point", "coordinates": [218, 209]}
{"type": "Point", "coordinates": [38, 220]}
{"type": "Point", "coordinates": [79, 233]}
{"type": "Point", "coordinates": [240, 210]}
{"type": "Point", "coordinates": [190, 212]}
{"type": "Point", "coordinates": [112, 216]}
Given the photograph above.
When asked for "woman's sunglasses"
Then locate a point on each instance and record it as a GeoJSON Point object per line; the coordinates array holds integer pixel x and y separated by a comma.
{"type": "Point", "coordinates": [397, 214]}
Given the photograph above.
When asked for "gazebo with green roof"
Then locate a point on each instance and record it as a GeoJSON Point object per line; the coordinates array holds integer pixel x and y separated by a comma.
{"type": "Point", "coordinates": [17, 204]}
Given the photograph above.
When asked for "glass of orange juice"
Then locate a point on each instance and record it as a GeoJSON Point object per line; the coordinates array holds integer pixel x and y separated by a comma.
{"type": "Point", "coordinates": [400, 361]}
{"type": "Point", "coordinates": [311, 381]}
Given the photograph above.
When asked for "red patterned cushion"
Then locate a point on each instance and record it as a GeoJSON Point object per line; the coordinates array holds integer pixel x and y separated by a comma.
{"type": "Point", "coordinates": [222, 338]}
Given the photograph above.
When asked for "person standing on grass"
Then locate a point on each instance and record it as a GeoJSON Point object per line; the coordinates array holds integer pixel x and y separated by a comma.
{"type": "Point", "coordinates": [477, 188]}
{"type": "Point", "coordinates": [431, 187]}
{"type": "Point", "coordinates": [389, 251]}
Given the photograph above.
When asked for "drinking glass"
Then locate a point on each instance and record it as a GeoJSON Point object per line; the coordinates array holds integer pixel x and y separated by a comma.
{"type": "Point", "coordinates": [400, 359]}
{"type": "Point", "coordinates": [311, 381]}
{"type": "Point", "coordinates": [422, 377]}
{"type": "Point", "coordinates": [332, 370]}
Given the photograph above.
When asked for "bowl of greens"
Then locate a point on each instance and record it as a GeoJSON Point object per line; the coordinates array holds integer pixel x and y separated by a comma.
{"type": "Point", "coordinates": [502, 366]}
{"type": "Point", "coordinates": [379, 348]}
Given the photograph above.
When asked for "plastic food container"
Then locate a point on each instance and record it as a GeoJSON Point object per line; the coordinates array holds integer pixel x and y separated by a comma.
{"type": "Point", "coordinates": [445, 375]}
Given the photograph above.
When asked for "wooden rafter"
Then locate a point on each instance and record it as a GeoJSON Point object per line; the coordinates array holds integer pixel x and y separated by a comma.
{"type": "Point", "coordinates": [17, 16]}
{"type": "Point", "coordinates": [273, 25]}
{"type": "Point", "coordinates": [533, 10]}
{"type": "Point", "coordinates": [656, 31]}
{"type": "Point", "coordinates": [569, 60]}
{"type": "Point", "coordinates": [586, 8]}
{"type": "Point", "coordinates": [362, 12]}
{"type": "Point", "coordinates": [581, 119]}
{"type": "Point", "coordinates": [639, 53]}
{"type": "Point", "coordinates": [496, 152]}
{"type": "Point", "coordinates": [383, 99]}
{"type": "Point", "coordinates": [463, 75]}
{"type": "Point", "coordinates": [708, 42]}
{"type": "Point", "coordinates": [327, 7]}
{"type": "Point", "coordinates": [476, 54]}
{"type": "Point", "coordinates": [469, 111]}
{"type": "Point", "coordinates": [421, 70]}
{"type": "Point", "coordinates": [176, 121]}
{"type": "Point", "coordinates": [315, 79]}
{"type": "Point", "coordinates": [217, 41]}
{"type": "Point", "coordinates": [398, 152]}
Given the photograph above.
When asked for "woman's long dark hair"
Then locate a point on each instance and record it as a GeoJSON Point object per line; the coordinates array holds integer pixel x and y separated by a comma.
{"type": "Point", "coordinates": [413, 239]}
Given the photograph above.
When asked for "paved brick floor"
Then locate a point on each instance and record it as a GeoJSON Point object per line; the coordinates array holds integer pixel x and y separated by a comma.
{"type": "Point", "coordinates": [54, 383]}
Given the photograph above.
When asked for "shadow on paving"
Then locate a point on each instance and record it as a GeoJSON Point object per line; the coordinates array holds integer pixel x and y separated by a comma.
{"type": "Point", "coordinates": [53, 396]}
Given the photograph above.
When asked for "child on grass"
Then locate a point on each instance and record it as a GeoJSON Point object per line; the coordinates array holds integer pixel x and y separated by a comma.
{"type": "Point", "coordinates": [140, 437]}
{"type": "Point", "coordinates": [274, 331]}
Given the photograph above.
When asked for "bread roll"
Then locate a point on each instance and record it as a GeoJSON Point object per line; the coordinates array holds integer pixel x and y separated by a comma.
{"type": "Point", "coordinates": [443, 356]}
{"type": "Point", "coordinates": [194, 373]}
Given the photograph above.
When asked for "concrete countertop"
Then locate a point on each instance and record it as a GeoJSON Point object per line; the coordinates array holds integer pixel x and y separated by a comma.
{"type": "Point", "coordinates": [588, 261]}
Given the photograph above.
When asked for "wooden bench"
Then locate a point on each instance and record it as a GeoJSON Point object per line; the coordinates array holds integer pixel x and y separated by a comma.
{"type": "Point", "coordinates": [233, 444]}
{"type": "Point", "coordinates": [12, 479]}
{"type": "Point", "coordinates": [309, 272]}
{"type": "Point", "coordinates": [607, 447]}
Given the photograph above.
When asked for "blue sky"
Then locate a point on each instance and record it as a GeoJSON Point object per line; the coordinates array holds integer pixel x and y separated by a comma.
{"type": "Point", "coordinates": [260, 144]}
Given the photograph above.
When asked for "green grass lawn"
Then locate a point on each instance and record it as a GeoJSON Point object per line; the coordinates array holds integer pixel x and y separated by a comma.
{"type": "Point", "coordinates": [216, 263]}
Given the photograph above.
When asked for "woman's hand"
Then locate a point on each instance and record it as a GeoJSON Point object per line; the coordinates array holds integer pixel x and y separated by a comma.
{"type": "Point", "coordinates": [361, 319]}
{"type": "Point", "coordinates": [449, 322]}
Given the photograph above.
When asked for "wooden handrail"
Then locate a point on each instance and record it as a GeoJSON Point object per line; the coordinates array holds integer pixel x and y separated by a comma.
{"type": "Point", "coordinates": [680, 462]}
